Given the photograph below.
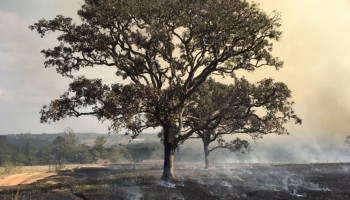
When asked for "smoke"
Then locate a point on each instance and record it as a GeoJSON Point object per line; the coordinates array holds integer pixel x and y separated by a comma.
{"type": "Point", "coordinates": [294, 148]}
{"type": "Point", "coordinates": [227, 181]}
{"type": "Point", "coordinates": [316, 70]}
{"type": "Point", "coordinates": [242, 180]}
{"type": "Point", "coordinates": [129, 190]}
{"type": "Point", "coordinates": [133, 193]}
{"type": "Point", "coordinates": [301, 149]}
{"type": "Point", "coordinates": [287, 149]}
{"type": "Point", "coordinates": [166, 184]}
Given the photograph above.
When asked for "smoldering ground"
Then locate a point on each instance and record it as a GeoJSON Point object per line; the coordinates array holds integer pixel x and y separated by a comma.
{"type": "Point", "coordinates": [225, 181]}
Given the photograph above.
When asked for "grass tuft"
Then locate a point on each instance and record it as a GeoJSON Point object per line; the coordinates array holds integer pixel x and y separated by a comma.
{"type": "Point", "coordinates": [9, 168]}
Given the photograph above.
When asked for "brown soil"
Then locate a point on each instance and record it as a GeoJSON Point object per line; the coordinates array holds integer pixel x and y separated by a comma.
{"type": "Point", "coordinates": [236, 181]}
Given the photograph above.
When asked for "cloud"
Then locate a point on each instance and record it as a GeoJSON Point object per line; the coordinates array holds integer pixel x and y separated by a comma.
{"type": "Point", "coordinates": [25, 85]}
{"type": "Point", "coordinates": [37, 9]}
{"type": "Point", "coordinates": [3, 93]}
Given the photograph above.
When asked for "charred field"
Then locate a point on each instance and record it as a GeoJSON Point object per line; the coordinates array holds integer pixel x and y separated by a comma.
{"type": "Point", "coordinates": [226, 181]}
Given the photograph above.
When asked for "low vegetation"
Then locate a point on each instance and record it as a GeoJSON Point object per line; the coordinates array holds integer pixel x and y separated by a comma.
{"type": "Point", "coordinates": [9, 168]}
{"type": "Point", "coordinates": [66, 149]}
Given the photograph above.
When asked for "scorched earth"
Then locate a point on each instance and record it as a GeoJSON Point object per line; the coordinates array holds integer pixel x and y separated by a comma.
{"type": "Point", "coordinates": [228, 181]}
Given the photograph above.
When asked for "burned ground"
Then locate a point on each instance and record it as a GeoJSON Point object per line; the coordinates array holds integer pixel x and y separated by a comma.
{"type": "Point", "coordinates": [243, 181]}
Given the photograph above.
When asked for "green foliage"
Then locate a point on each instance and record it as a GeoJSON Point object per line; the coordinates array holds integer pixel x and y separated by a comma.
{"type": "Point", "coordinates": [98, 149]}
{"type": "Point", "coordinates": [6, 151]}
{"type": "Point", "coordinates": [117, 154]}
{"type": "Point", "coordinates": [65, 149]}
{"type": "Point", "coordinates": [144, 151]}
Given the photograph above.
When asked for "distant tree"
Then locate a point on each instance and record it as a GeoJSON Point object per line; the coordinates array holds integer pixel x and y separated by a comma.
{"type": "Point", "coordinates": [70, 136]}
{"type": "Point", "coordinates": [65, 147]}
{"type": "Point", "coordinates": [45, 155]}
{"type": "Point", "coordinates": [165, 48]}
{"type": "Point", "coordinates": [30, 151]}
{"type": "Point", "coordinates": [84, 154]}
{"type": "Point", "coordinates": [100, 142]}
{"type": "Point", "coordinates": [98, 148]}
{"type": "Point", "coordinates": [59, 140]}
{"type": "Point", "coordinates": [254, 109]}
{"type": "Point", "coordinates": [143, 151]}
{"type": "Point", "coordinates": [118, 153]}
{"type": "Point", "coordinates": [8, 151]}
{"type": "Point", "coordinates": [3, 146]}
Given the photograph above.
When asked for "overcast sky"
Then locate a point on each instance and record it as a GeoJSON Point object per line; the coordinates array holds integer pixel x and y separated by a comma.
{"type": "Point", "coordinates": [315, 48]}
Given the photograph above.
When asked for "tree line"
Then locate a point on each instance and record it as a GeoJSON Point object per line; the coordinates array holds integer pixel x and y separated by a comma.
{"type": "Point", "coordinates": [65, 149]}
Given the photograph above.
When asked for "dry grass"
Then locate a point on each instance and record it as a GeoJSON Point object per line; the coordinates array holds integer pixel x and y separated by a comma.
{"type": "Point", "coordinates": [11, 169]}
{"type": "Point", "coordinates": [11, 175]}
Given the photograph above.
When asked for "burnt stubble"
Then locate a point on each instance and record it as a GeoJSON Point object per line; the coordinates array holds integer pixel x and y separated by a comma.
{"type": "Point", "coordinates": [226, 181]}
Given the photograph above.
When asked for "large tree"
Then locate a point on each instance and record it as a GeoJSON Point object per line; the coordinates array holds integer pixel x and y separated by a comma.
{"type": "Point", "coordinates": [239, 108]}
{"type": "Point", "coordinates": [165, 48]}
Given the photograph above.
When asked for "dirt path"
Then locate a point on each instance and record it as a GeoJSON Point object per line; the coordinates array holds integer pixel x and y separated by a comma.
{"type": "Point", "coordinates": [23, 178]}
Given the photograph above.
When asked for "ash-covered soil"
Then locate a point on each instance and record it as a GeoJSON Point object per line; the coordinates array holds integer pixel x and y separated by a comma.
{"type": "Point", "coordinates": [230, 181]}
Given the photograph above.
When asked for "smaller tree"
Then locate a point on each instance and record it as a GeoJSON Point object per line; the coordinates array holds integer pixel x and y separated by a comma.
{"type": "Point", "coordinates": [100, 141]}
{"type": "Point", "coordinates": [242, 107]}
{"type": "Point", "coordinates": [44, 155]}
{"type": "Point", "coordinates": [84, 154]}
{"type": "Point", "coordinates": [30, 151]}
{"type": "Point", "coordinates": [98, 149]}
{"type": "Point", "coordinates": [70, 136]}
{"type": "Point", "coordinates": [59, 140]}
{"type": "Point", "coordinates": [65, 148]}
{"type": "Point", "coordinates": [209, 135]}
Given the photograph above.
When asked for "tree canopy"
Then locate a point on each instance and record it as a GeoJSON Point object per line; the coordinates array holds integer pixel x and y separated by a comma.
{"type": "Point", "coordinates": [166, 49]}
{"type": "Point", "coordinates": [242, 107]}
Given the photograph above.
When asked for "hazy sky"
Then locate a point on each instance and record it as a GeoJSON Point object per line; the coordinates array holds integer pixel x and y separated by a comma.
{"type": "Point", "coordinates": [315, 48]}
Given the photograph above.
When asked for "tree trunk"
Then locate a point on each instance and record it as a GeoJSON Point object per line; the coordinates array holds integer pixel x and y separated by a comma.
{"type": "Point", "coordinates": [206, 155]}
{"type": "Point", "coordinates": [168, 169]}
{"type": "Point", "coordinates": [169, 151]}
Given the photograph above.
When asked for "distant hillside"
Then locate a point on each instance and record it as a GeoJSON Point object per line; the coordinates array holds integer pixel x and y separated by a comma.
{"type": "Point", "coordinates": [34, 139]}
{"type": "Point", "coordinates": [83, 138]}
